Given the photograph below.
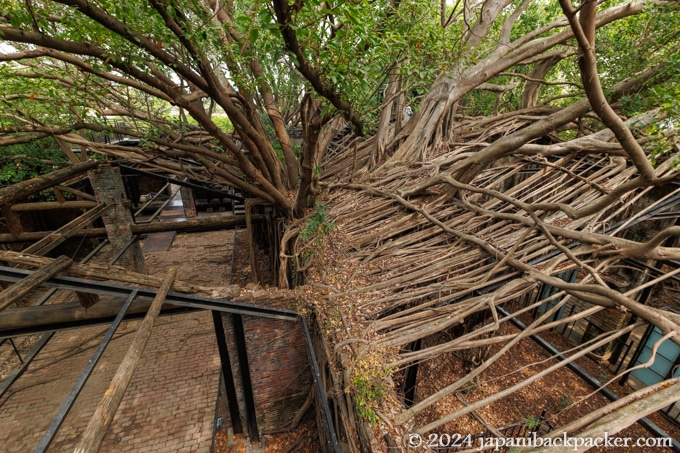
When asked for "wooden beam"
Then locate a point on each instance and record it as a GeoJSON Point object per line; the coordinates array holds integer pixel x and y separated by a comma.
{"type": "Point", "coordinates": [55, 238]}
{"type": "Point", "coordinates": [58, 194]}
{"type": "Point", "coordinates": [108, 406]}
{"type": "Point", "coordinates": [64, 313]}
{"type": "Point", "coordinates": [197, 224]}
{"type": "Point", "coordinates": [45, 205]}
{"type": "Point", "coordinates": [78, 193]}
{"type": "Point", "coordinates": [66, 148]}
{"type": "Point", "coordinates": [87, 300]}
{"type": "Point", "coordinates": [98, 271]}
{"type": "Point", "coordinates": [21, 190]}
{"type": "Point", "coordinates": [20, 289]}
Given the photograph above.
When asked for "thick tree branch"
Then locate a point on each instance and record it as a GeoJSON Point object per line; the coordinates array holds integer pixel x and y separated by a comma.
{"type": "Point", "coordinates": [283, 17]}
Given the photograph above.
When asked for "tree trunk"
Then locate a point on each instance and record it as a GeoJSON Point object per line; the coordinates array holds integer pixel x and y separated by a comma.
{"type": "Point", "coordinates": [532, 88]}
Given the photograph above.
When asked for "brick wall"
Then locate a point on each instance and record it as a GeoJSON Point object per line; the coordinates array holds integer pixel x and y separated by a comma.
{"type": "Point", "coordinates": [279, 369]}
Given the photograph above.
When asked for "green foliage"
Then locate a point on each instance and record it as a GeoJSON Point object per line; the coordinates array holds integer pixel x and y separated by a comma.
{"type": "Point", "coordinates": [533, 422]}
{"type": "Point", "coordinates": [312, 232]}
{"type": "Point", "coordinates": [370, 379]}
{"type": "Point", "coordinates": [223, 122]}
{"type": "Point", "coordinates": [25, 161]}
{"type": "Point", "coordinates": [317, 225]}
{"type": "Point", "coordinates": [353, 46]}
{"type": "Point", "coordinates": [366, 395]}
{"type": "Point", "coordinates": [271, 133]}
{"type": "Point", "coordinates": [565, 402]}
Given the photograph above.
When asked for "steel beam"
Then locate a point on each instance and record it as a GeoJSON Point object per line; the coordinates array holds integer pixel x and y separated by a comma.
{"type": "Point", "coordinates": [183, 300]}
{"type": "Point", "coordinates": [65, 408]}
{"type": "Point", "coordinates": [246, 381]}
{"type": "Point", "coordinates": [9, 380]}
{"type": "Point", "coordinates": [195, 302]}
{"type": "Point", "coordinates": [229, 383]}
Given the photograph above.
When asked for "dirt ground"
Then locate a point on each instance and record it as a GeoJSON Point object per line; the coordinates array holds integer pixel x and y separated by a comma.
{"type": "Point", "coordinates": [563, 394]}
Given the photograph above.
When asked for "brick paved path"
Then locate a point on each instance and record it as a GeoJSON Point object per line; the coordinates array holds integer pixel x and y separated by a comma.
{"type": "Point", "coordinates": [170, 403]}
{"type": "Point", "coordinates": [168, 407]}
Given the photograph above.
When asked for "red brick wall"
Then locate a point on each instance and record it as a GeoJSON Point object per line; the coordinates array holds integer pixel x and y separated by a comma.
{"type": "Point", "coordinates": [279, 369]}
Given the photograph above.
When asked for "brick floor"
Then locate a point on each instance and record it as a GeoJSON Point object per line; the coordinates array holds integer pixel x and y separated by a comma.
{"type": "Point", "coordinates": [168, 407]}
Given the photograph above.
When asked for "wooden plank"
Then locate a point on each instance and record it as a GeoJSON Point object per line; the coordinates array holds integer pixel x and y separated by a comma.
{"type": "Point", "coordinates": [98, 271]}
{"type": "Point", "coordinates": [158, 242]}
{"type": "Point", "coordinates": [45, 205]}
{"type": "Point", "coordinates": [58, 236]}
{"type": "Point", "coordinates": [21, 190]}
{"type": "Point", "coordinates": [20, 289]}
{"type": "Point", "coordinates": [108, 406]}
{"type": "Point", "coordinates": [197, 224]}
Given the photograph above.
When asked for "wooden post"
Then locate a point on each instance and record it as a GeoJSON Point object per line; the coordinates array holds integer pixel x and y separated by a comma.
{"type": "Point", "coordinates": [188, 202]}
{"type": "Point", "coordinates": [13, 220]}
{"type": "Point", "coordinates": [108, 406]}
{"type": "Point", "coordinates": [108, 188]}
{"type": "Point", "coordinates": [21, 190]}
{"type": "Point", "coordinates": [23, 287]}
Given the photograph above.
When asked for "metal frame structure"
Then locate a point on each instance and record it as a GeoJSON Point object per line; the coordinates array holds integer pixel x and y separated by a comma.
{"type": "Point", "coordinates": [183, 301]}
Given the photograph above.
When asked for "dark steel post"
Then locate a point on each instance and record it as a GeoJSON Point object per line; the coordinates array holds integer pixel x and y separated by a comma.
{"type": "Point", "coordinates": [331, 439]}
{"type": "Point", "coordinates": [21, 359]}
{"type": "Point", "coordinates": [636, 354]}
{"type": "Point", "coordinates": [251, 417]}
{"type": "Point", "coordinates": [229, 383]}
{"type": "Point", "coordinates": [622, 357]}
{"type": "Point", "coordinates": [84, 376]}
{"type": "Point", "coordinates": [411, 377]}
